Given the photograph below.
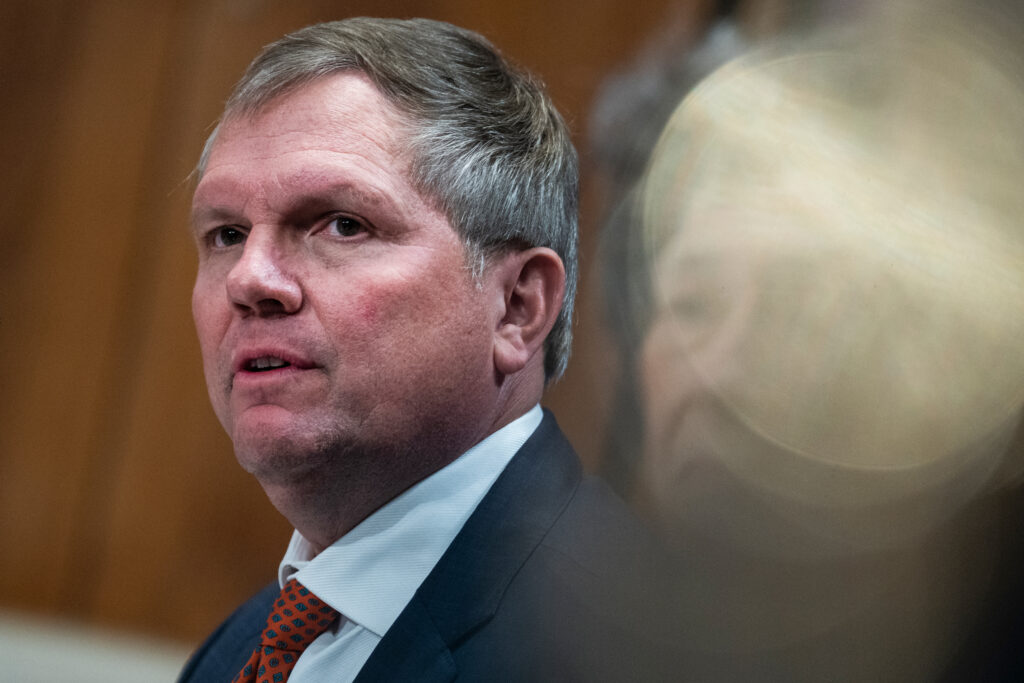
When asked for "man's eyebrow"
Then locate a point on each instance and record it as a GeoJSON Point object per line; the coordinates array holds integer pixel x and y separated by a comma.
{"type": "Point", "coordinates": [212, 214]}
{"type": "Point", "coordinates": [334, 196]}
{"type": "Point", "coordinates": [315, 192]}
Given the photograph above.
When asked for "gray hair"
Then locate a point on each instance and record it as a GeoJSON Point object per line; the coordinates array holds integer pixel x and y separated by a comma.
{"type": "Point", "coordinates": [488, 147]}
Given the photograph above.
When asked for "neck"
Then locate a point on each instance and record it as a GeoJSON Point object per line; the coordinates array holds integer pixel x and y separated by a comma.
{"type": "Point", "coordinates": [326, 502]}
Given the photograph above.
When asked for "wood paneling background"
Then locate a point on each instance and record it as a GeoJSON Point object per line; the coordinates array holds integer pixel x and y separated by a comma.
{"type": "Point", "coordinates": [116, 482]}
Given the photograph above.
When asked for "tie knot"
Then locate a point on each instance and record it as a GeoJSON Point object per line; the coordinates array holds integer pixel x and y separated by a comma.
{"type": "Point", "coordinates": [296, 619]}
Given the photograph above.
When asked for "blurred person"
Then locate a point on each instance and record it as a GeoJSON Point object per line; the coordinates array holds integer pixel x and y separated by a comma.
{"type": "Point", "coordinates": [627, 117]}
{"type": "Point", "coordinates": [386, 225]}
{"type": "Point", "coordinates": [830, 379]}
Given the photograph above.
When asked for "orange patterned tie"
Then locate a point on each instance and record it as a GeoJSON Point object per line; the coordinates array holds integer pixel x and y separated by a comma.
{"type": "Point", "coordinates": [295, 621]}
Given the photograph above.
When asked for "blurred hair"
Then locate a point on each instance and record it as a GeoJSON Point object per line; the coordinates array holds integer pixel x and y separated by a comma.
{"type": "Point", "coordinates": [487, 145]}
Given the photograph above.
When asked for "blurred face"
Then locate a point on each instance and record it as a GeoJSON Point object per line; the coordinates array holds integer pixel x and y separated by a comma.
{"type": "Point", "coordinates": [335, 312]}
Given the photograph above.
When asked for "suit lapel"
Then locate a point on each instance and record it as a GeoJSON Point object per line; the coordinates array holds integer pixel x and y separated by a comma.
{"type": "Point", "coordinates": [465, 589]}
{"type": "Point", "coordinates": [411, 650]}
{"type": "Point", "coordinates": [227, 649]}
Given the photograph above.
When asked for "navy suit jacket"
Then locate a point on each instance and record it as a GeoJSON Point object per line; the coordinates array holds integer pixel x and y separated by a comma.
{"type": "Point", "coordinates": [551, 578]}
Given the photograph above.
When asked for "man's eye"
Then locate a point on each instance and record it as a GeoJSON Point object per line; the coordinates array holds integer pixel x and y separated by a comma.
{"type": "Point", "coordinates": [345, 226]}
{"type": "Point", "coordinates": [227, 236]}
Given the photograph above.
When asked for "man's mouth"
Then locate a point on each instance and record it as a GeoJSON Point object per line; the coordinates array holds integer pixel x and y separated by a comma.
{"type": "Point", "coordinates": [265, 363]}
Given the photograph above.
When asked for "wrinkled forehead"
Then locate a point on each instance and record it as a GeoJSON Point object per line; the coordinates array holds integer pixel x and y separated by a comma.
{"type": "Point", "coordinates": [342, 109]}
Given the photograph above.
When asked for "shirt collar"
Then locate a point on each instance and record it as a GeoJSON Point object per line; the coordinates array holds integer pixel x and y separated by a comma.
{"type": "Point", "coordinates": [370, 574]}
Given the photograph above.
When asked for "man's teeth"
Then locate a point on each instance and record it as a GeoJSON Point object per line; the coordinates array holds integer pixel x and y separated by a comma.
{"type": "Point", "coordinates": [266, 363]}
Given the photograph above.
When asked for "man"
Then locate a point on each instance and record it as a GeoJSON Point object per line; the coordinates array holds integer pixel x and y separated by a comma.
{"type": "Point", "coordinates": [386, 226]}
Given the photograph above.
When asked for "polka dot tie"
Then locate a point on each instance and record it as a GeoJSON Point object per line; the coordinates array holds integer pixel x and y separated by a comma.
{"type": "Point", "coordinates": [295, 621]}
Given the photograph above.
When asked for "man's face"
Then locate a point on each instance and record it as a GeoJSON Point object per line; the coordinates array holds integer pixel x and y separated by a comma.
{"type": "Point", "coordinates": [335, 312]}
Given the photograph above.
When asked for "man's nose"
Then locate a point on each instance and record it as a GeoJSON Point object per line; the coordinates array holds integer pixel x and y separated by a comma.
{"type": "Point", "coordinates": [260, 282]}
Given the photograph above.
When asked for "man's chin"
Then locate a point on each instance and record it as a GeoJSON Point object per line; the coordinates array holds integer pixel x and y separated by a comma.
{"type": "Point", "coordinates": [274, 453]}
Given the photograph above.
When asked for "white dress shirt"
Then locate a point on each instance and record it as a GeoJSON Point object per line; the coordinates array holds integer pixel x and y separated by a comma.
{"type": "Point", "coordinates": [371, 573]}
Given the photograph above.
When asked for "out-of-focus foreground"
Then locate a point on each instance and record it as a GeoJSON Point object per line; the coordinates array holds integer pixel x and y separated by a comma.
{"type": "Point", "coordinates": [823, 288]}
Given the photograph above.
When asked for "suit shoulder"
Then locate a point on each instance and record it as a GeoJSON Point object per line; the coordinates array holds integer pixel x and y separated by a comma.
{"type": "Point", "coordinates": [594, 588]}
{"type": "Point", "coordinates": [597, 529]}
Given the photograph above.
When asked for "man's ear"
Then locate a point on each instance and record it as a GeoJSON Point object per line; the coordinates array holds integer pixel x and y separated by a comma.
{"type": "Point", "coordinates": [533, 284]}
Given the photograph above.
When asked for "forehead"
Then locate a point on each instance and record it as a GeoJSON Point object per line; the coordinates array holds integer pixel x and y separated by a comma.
{"type": "Point", "coordinates": [340, 116]}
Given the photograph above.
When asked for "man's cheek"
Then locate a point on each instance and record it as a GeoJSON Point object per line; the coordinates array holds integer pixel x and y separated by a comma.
{"type": "Point", "coordinates": [377, 310]}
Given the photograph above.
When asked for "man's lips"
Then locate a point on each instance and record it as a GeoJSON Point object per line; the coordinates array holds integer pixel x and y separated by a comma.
{"type": "Point", "coordinates": [268, 360]}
